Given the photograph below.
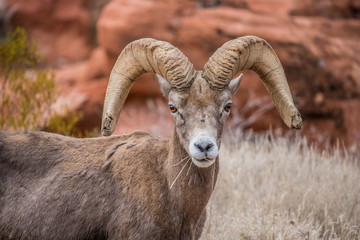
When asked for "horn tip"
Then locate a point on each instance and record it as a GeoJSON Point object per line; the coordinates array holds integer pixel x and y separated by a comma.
{"type": "Point", "coordinates": [106, 126]}
{"type": "Point", "coordinates": [296, 121]}
{"type": "Point", "coordinates": [106, 132]}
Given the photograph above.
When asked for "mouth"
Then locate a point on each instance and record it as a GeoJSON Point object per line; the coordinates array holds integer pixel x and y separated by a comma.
{"type": "Point", "coordinates": [203, 162]}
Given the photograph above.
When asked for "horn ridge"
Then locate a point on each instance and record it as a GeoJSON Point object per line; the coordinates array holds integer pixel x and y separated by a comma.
{"type": "Point", "coordinates": [253, 53]}
{"type": "Point", "coordinates": [138, 57]}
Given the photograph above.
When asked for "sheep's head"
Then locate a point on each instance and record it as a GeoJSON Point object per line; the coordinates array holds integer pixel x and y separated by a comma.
{"type": "Point", "coordinates": [199, 114]}
{"type": "Point", "coordinates": [199, 101]}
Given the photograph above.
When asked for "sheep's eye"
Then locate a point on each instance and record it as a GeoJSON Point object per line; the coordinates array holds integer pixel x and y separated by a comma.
{"type": "Point", "coordinates": [173, 109]}
{"type": "Point", "coordinates": [227, 107]}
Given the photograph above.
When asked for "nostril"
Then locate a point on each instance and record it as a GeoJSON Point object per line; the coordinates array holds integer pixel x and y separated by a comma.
{"type": "Point", "coordinates": [199, 147]}
{"type": "Point", "coordinates": [209, 146]}
{"type": "Point", "coordinates": [205, 147]}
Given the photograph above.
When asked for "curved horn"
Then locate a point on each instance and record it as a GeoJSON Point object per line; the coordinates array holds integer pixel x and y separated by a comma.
{"type": "Point", "coordinates": [253, 53]}
{"type": "Point", "coordinates": [138, 57]}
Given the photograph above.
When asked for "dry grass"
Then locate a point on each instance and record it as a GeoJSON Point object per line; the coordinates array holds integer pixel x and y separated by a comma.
{"type": "Point", "coordinates": [276, 188]}
{"type": "Point", "coordinates": [272, 187]}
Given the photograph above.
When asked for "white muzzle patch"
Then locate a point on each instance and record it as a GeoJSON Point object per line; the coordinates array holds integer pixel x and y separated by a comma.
{"type": "Point", "coordinates": [203, 150]}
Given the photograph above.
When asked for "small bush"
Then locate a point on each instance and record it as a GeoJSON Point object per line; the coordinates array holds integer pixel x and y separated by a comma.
{"type": "Point", "coordinates": [27, 93]}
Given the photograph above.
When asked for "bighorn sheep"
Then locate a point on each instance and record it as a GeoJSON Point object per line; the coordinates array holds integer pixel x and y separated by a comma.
{"type": "Point", "coordinates": [123, 187]}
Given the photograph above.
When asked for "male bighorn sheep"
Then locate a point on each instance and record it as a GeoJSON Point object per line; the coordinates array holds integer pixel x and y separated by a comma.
{"type": "Point", "coordinates": [123, 187]}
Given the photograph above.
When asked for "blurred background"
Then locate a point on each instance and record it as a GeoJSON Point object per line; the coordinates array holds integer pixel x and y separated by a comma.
{"type": "Point", "coordinates": [317, 41]}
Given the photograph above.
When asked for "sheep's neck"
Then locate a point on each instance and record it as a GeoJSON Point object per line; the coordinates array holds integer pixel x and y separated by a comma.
{"type": "Point", "coordinates": [193, 187]}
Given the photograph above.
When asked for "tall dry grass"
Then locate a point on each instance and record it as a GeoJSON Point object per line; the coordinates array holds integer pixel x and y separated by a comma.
{"type": "Point", "coordinates": [276, 188]}
{"type": "Point", "coordinates": [273, 187]}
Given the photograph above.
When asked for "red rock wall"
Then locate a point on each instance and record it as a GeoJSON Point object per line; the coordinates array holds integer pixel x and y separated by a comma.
{"type": "Point", "coordinates": [63, 29]}
{"type": "Point", "coordinates": [316, 40]}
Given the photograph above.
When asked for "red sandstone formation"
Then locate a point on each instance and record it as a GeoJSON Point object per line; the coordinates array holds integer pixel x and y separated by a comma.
{"type": "Point", "coordinates": [316, 40]}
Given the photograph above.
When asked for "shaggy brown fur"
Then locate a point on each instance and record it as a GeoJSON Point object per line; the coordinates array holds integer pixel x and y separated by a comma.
{"type": "Point", "coordinates": [56, 187]}
{"type": "Point", "coordinates": [122, 187]}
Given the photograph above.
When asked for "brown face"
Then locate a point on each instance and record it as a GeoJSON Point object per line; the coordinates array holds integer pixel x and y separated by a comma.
{"type": "Point", "coordinates": [199, 114]}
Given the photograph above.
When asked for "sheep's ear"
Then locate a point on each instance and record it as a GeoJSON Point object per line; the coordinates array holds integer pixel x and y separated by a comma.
{"type": "Point", "coordinates": [165, 87]}
{"type": "Point", "coordinates": [234, 84]}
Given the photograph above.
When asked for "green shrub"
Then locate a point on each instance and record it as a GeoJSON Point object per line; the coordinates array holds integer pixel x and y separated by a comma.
{"type": "Point", "coordinates": [27, 92]}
